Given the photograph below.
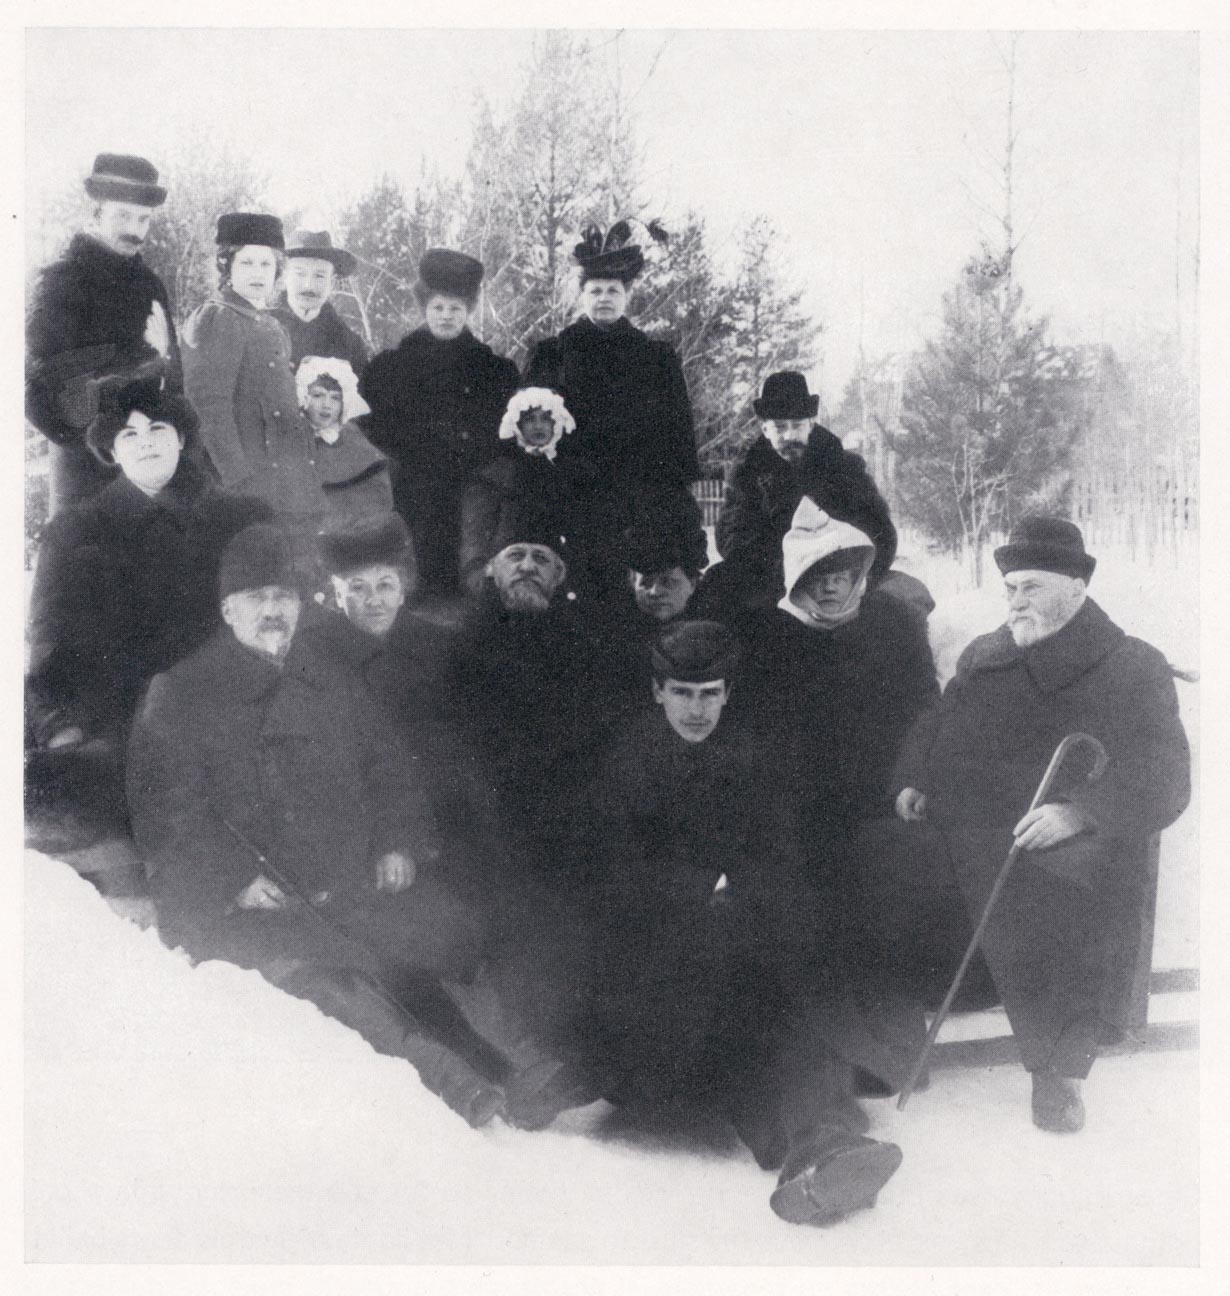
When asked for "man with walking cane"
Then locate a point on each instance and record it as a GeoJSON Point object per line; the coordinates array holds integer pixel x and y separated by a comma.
{"type": "Point", "coordinates": [1061, 940]}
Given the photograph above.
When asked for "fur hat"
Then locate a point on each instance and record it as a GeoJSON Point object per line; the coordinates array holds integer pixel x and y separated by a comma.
{"type": "Point", "coordinates": [817, 540]}
{"type": "Point", "coordinates": [319, 246]}
{"type": "Point", "coordinates": [695, 652]}
{"type": "Point", "coordinates": [453, 274]}
{"type": "Point", "coordinates": [672, 534]}
{"type": "Point", "coordinates": [148, 396]}
{"type": "Point", "coordinates": [384, 541]}
{"type": "Point", "coordinates": [1046, 544]}
{"type": "Point", "coordinates": [613, 255]}
{"type": "Point", "coordinates": [255, 558]}
{"type": "Point", "coordinates": [542, 398]}
{"type": "Point", "coordinates": [125, 178]}
{"type": "Point", "coordinates": [241, 229]}
{"type": "Point", "coordinates": [785, 396]}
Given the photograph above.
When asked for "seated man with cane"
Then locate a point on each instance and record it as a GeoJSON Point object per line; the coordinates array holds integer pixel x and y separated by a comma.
{"type": "Point", "coordinates": [1061, 939]}
{"type": "Point", "coordinates": [284, 832]}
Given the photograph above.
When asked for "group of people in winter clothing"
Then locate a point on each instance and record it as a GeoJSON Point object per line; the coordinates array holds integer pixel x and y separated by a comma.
{"type": "Point", "coordinates": [413, 687]}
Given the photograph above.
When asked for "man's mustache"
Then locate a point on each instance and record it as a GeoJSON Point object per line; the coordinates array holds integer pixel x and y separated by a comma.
{"type": "Point", "coordinates": [269, 624]}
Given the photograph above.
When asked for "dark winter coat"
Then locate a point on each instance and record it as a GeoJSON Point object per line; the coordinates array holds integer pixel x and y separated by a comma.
{"type": "Point", "coordinates": [521, 492]}
{"type": "Point", "coordinates": [326, 335]}
{"type": "Point", "coordinates": [538, 710]}
{"type": "Point", "coordinates": [630, 401]}
{"type": "Point", "coordinates": [834, 707]}
{"type": "Point", "coordinates": [90, 298]}
{"type": "Point", "coordinates": [230, 746]}
{"type": "Point", "coordinates": [436, 409]}
{"type": "Point", "coordinates": [354, 477]}
{"type": "Point", "coordinates": [762, 492]}
{"type": "Point", "coordinates": [126, 586]}
{"type": "Point", "coordinates": [979, 756]}
{"type": "Point", "coordinates": [237, 375]}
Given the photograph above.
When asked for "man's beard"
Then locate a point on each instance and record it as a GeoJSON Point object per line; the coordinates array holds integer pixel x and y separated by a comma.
{"type": "Point", "coordinates": [525, 596]}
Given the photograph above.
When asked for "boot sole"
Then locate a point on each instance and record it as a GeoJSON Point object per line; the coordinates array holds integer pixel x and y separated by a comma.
{"type": "Point", "coordinates": [841, 1183]}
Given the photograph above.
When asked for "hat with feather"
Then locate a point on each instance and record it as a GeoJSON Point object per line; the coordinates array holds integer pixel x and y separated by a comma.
{"type": "Point", "coordinates": [614, 255]}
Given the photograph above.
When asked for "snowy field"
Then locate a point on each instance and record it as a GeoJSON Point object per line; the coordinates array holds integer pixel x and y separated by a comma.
{"type": "Point", "coordinates": [196, 1115]}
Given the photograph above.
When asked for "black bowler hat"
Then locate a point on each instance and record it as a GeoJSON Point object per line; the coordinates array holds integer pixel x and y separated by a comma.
{"type": "Point", "coordinates": [241, 229]}
{"type": "Point", "coordinates": [785, 396]}
{"type": "Point", "coordinates": [452, 273]}
{"type": "Point", "coordinates": [695, 652]}
{"type": "Point", "coordinates": [125, 178]}
{"type": "Point", "coordinates": [319, 246]}
{"type": "Point", "coordinates": [1046, 544]}
{"type": "Point", "coordinates": [385, 541]}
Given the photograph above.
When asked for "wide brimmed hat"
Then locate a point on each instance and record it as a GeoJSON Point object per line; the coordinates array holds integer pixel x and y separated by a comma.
{"type": "Point", "coordinates": [257, 557]}
{"type": "Point", "coordinates": [123, 177]}
{"type": "Point", "coordinates": [382, 542]}
{"type": "Point", "coordinates": [695, 652]}
{"type": "Point", "coordinates": [1046, 544]}
{"type": "Point", "coordinates": [244, 229]}
{"type": "Point", "coordinates": [613, 255]}
{"type": "Point", "coordinates": [672, 535]}
{"type": "Point", "coordinates": [157, 404]}
{"type": "Point", "coordinates": [454, 274]}
{"type": "Point", "coordinates": [319, 246]}
{"type": "Point", "coordinates": [785, 396]}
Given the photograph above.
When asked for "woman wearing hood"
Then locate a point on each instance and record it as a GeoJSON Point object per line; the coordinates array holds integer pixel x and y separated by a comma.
{"type": "Point", "coordinates": [835, 679]}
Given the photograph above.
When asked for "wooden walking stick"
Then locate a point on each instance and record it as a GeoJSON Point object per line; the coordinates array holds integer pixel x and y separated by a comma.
{"type": "Point", "coordinates": [1061, 752]}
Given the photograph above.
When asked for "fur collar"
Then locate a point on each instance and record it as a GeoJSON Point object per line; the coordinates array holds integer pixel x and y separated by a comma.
{"type": "Point", "coordinates": [1058, 660]}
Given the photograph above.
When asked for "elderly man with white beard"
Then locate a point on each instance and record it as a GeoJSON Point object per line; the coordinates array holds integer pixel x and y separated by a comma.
{"type": "Point", "coordinates": [1062, 941]}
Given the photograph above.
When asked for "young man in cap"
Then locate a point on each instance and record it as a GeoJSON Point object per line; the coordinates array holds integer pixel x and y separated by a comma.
{"type": "Point", "coordinates": [713, 984]}
{"type": "Point", "coordinates": [313, 266]}
{"type": "Point", "coordinates": [793, 456]}
{"type": "Point", "coordinates": [1064, 938]}
{"type": "Point", "coordinates": [272, 809]}
{"type": "Point", "coordinates": [436, 401]}
{"type": "Point", "coordinates": [101, 316]}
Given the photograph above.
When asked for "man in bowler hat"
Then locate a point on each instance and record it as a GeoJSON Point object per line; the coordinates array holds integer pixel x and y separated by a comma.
{"type": "Point", "coordinates": [313, 267]}
{"type": "Point", "coordinates": [101, 316]}
{"type": "Point", "coordinates": [1064, 937]}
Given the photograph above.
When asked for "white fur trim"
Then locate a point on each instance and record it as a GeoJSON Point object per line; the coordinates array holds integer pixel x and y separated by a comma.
{"type": "Point", "coordinates": [542, 398]}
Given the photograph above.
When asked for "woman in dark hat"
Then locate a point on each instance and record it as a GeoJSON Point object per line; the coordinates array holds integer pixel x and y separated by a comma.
{"type": "Point", "coordinates": [625, 390]}
{"type": "Point", "coordinates": [436, 400]}
{"type": "Point", "coordinates": [126, 582]}
{"type": "Point", "coordinates": [237, 374]}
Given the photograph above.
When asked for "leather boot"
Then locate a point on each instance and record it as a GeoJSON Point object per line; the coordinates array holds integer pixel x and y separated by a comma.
{"type": "Point", "coordinates": [833, 1173]}
{"type": "Point", "coordinates": [1057, 1104]}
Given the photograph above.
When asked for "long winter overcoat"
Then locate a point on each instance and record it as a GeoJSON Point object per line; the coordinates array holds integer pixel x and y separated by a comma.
{"type": "Point", "coordinates": [233, 755]}
{"type": "Point", "coordinates": [237, 375]}
{"type": "Point", "coordinates": [89, 316]}
{"type": "Point", "coordinates": [762, 492]}
{"type": "Point", "coordinates": [709, 944]}
{"type": "Point", "coordinates": [126, 586]}
{"type": "Point", "coordinates": [1066, 930]}
{"type": "Point", "coordinates": [833, 708]}
{"type": "Point", "coordinates": [630, 401]}
{"type": "Point", "coordinates": [326, 335]}
{"type": "Point", "coordinates": [436, 409]}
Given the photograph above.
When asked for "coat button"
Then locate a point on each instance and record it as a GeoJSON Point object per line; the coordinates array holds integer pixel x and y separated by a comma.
{"type": "Point", "coordinates": [272, 364]}
{"type": "Point", "coordinates": [277, 413]}
{"type": "Point", "coordinates": [273, 463]}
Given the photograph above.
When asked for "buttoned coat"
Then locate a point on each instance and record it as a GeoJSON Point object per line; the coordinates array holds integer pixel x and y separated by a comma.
{"type": "Point", "coordinates": [1067, 928]}
{"type": "Point", "coordinates": [237, 375]}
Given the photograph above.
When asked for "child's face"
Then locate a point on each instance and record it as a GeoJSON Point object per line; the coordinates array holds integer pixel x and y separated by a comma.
{"type": "Point", "coordinates": [324, 407]}
{"type": "Point", "coordinates": [537, 428]}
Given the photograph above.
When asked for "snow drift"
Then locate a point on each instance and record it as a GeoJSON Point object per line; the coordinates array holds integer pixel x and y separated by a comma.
{"type": "Point", "coordinates": [196, 1114]}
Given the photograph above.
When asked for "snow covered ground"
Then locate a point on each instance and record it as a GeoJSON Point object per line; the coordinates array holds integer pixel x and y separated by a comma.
{"type": "Point", "coordinates": [197, 1115]}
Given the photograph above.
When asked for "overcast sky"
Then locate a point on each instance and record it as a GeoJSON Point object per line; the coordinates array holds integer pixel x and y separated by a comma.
{"type": "Point", "coordinates": [872, 152]}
